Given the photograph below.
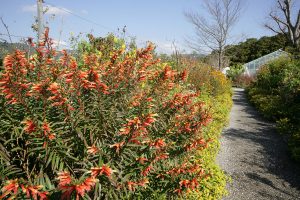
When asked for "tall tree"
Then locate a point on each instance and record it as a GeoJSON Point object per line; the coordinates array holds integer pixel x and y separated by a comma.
{"type": "Point", "coordinates": [213, 30]}
{"type": "Point", "coordinates": [286, 22]}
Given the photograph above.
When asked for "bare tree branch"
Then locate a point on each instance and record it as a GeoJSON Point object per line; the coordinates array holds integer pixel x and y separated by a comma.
{"type": "Point", "coordinates": [284, 22]}
{"type": "Point", "coordinates": [214, 30]}
{"type": "Point", "coordinates": [6, 27]}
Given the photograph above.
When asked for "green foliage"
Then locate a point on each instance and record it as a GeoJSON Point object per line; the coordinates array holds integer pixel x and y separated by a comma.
{"type": "Point", "coordinates": [276, 93]}
{"type": "Point", "coordinates": [238, 79]}
{"type": "Point", "coordinates": [235, 71]}
{"type": "Point", "coordinates": [214, 187]}
{"type": "Point", "coordinates": [254, 48]}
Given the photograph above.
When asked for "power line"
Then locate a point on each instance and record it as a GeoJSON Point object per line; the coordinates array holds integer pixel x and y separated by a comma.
{"type": "Point", "coordinates": [18, 36]}
{"type": "Point", "coordinates": [82, 18]}
{"type": "Point", "coordinates": [89, 20]}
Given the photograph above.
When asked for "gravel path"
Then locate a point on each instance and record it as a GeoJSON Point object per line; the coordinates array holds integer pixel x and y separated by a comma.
{"type": "Point", "coordinates": [255, 157]}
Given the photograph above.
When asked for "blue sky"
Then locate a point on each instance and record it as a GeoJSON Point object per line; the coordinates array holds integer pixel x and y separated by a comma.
{"type": "Point", "coordinates": [160, 21]}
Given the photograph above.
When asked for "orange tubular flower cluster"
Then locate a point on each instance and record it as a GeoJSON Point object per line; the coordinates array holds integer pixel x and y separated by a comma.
{"type": "Point", "coordinates": [57, 97]}
{"type": "Point", "coordinates": [103, 170]}
{"type": "Point", "coordinates": [147, 170]}
{"type": "Point", "coordinates": [145, 53]}
{"type": "Point", "coordinates": [47, 131]}
{"type": "Point", "coordinates": [188, 184]}
{"type": "Point", "coordinates": [169, 74]}
{"type": "Point", "coordinates": [184, 169]}
{"type": "Point", "coordinates": [30, 126]}
{"type": "Point", "coordinates": [132, 185]}
{"type": "Point", "coordinates": [136, 128]}
{"type": "Point", "coordinates": [141, 99]}
{"type": "Point", "coordinates": [159, 143]}
{"type": "Point", "coordinates": [117, 146]}
{"type": "Point", "coordinates": [93, 150]}
{"type": "Point", "coordinates": [142, 160]}
{"type": "Point", "coordinates": [65, 184]}
{"type": "Point", "coordinates": [162, 156]}
{"type": "Point", "coordinates": [32, 191]}
{"type": "Point", "coordinates": [13, 81]}
{"type": "Point", "coordinates": [196, 144]}
{"type": "Point", "coordinates": [179, 100]}
{"type": "Point", "coordinates": [183, 75]}
{"type": "Point", "coordinates": [149, 120]}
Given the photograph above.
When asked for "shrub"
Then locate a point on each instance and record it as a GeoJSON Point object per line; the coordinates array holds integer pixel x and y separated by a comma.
{"type": "Point", "coordinates": [216, 92]}
{"type": "Point", "coordinates": [276, 93]}
{"type": "Point", "coordinates": [235, 71]}
{"type": "Point", "coordinates": [109, 125]}
{"type": "Point", "coordinates": [243, 81]}
{"type": "Point", "coordinates": [205, 78]}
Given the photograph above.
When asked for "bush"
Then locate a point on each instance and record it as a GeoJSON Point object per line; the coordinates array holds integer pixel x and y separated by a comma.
{"type": "Point", "coordinates": [205, 78]}
{"type": "Point", "coordinates": [215, 90]}
{"type": "Point", "coordinates": [243, 81]}
{"type": "Point", "coordinates": [276, 93]}
{"type": "Point", "coordinates": [107, 125]}
{"type": "Point", "coordinates": [235, 71]}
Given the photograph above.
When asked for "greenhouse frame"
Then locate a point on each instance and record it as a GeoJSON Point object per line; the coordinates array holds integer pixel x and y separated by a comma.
{"type": "Point", "coordinates": [252, 67]}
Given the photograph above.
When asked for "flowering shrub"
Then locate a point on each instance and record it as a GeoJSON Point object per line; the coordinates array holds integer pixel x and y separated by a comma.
{"type": "Point", "coordinates": [216, 93]}
{"type": "Point", "coordinates": [102, 126]}
{"type": "Point", "coordinates": [206, 78]}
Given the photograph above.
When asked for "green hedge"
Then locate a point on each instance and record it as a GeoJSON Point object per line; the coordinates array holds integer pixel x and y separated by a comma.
{"type": "Point", "coordinates": [276, 94]}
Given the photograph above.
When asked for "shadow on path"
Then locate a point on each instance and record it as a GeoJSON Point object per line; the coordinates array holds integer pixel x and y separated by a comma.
{"type": "Point", "coordinates": [256, 157]}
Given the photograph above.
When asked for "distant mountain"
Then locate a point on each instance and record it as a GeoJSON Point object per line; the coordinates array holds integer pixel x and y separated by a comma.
{"type": "Point", "coordinates": [6, 48]}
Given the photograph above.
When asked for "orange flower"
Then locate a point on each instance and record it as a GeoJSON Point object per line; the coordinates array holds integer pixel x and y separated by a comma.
{"type": "Point", "coordinates": [8, 61]}
{"type": "Point", "coordinates": [51, 136]}
{"type": "Point", "coordinates": [124, 131]}
{"type": "Point", "coordinates": [46, 129]}
{"type": "Point", "coordinates": [147, 170]}
{"type": "Point", "coordinates": [178, 191]}
{"type": "Point", "coordinates": [106, 170]}
{"type": "Point", "coordinates": [53, 88]}
{"type": "Point", "coordinates": [83, 75]}
{"type": "Point", "coordinates": [184, 183]}
{"type": "Point", "coordinates": [29, 126]}
{"type": "Point", "coordinates": [10, 186]}
{"type": "Point", "coordinates": [149, 119]}
{"type": "Point", "coordinates": [142, 160]}
{"type": "Point", "coordinates": [64, 179]}
{"type": "Point", "coordinates": [134, 122]}
{"type": "Point", "coordinates": [161, 157]}
{"type": "Point", "coordinates": [143, 182]}
{"type": "Point", "coordinates": [86, 186]}
{"type": "Point", "coordinates": [65, 184]}
{"type": "Point", "coordinates": [93, 149]}
{"type": "Point", "coordinates": [183, 75]}
{"type": "Point", "coordinates": [159, 143]}
{"type": "Point", "coordinates": [168, 73]}
{"type": "Point", "coordinates": [38, 87]}
{"type": "Point", "coordinates": [131, 185]}
{"type": "Point", "coordinates": [33, 192]}
{"type": "Point", "coordinates": [104, 88]}
{"type": "Point", "coordinates": [117, 146]}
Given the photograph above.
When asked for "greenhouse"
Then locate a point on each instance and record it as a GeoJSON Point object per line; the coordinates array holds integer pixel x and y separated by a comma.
{"type": "Point", "coordinates": [252, 67]}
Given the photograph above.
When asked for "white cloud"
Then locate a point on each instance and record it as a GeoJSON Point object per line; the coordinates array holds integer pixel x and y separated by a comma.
{"type": "Point", "coordinates": [61, 44]}
{"type": "Point", "coordinates": [51, 10]}
{"type": "Point", "coordinates": [168, 47]}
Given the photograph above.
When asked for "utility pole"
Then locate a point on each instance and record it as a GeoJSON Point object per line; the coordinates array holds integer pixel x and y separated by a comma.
{"type": "Point", "coordinates": [40, 19]}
